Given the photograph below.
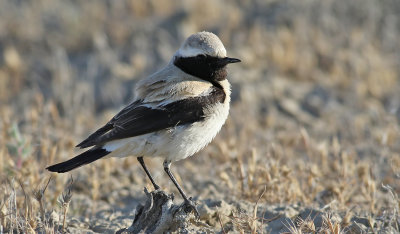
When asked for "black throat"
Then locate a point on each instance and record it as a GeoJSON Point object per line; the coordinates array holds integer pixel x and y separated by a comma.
{"type": "Point", "coordinates": [205, 67]}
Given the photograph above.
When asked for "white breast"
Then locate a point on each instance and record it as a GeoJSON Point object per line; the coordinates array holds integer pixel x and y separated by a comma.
{"type": "Point", "coordinates": [188, 140]}
{"type": "Point", "coordinates": [184, 141]}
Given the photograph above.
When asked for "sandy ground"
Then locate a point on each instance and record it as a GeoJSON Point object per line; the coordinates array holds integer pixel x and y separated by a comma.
{"type": "Point", "coordinates": [311, 144]}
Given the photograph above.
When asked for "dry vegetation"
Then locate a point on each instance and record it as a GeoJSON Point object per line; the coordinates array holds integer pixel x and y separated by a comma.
{"type": "Point", "coordinates": [314, 120]}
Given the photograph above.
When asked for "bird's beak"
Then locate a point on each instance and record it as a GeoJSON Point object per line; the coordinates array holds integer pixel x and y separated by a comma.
{"type": "Point", "coordinates": [231, 60]}
{"type": "Point", "coordinates": [225, 61]}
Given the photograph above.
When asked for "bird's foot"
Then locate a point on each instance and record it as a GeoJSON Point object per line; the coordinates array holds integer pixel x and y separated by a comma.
{"type": "Point", "coordinates": [156, 187]}
{"type": "Point", "coordinates": [189, 206]}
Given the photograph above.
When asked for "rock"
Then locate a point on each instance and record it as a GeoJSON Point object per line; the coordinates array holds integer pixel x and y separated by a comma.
{"type": "Point", "coordinates": [160, 215]}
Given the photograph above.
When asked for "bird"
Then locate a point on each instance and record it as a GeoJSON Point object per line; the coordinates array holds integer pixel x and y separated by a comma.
{"type": "Point", "coordinates": [175, 112]}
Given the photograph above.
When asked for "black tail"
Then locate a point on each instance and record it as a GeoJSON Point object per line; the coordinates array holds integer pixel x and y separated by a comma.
{"type": "Point", "coordinates": [80, 160]}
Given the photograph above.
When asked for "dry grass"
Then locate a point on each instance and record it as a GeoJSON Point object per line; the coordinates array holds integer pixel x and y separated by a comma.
{"type": "Point", "coordinates": [314, 118]}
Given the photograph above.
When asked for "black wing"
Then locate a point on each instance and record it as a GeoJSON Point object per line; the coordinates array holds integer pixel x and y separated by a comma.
{"type": "Point", "coordinates": [137, 119]}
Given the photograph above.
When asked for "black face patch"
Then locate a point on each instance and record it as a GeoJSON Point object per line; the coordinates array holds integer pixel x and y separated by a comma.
{"type": "Point", "coordinates": [206, 67]}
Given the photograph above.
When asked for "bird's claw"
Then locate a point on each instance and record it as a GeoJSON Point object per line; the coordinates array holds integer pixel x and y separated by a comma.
{"type": "Point", "coordinates": [189, 206]}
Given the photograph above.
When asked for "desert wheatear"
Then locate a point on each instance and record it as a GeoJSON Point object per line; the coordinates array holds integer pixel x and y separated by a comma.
{"type": "Point", "coordinates": [176, 111]}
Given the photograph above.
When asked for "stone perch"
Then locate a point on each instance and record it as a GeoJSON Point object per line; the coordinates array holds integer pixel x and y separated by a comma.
{"type": "Point", "coordinates": [160, 215]}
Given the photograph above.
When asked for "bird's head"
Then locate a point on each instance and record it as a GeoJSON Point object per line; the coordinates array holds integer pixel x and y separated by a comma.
{"type": "Point", "coordinates": [203, 55]}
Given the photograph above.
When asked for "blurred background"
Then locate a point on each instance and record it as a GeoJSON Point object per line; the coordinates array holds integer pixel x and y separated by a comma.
{"type": "Point", "coordinates": [315, 103]}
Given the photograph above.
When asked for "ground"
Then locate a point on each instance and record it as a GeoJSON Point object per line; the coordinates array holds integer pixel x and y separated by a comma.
{"type": "Point", "coordinates": [311, 143]}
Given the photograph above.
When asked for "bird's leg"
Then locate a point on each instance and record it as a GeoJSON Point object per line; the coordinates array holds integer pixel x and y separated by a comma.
{"type": "Point", "coordinates": [140, 159]}
{"type": "Point", "coordinates": [188, 201]}
{"type": "Point", "coordinates": [167, 165]}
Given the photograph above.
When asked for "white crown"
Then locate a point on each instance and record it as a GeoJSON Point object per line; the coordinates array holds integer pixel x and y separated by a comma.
{"type": "Point", "coordinates": [202, 43]}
